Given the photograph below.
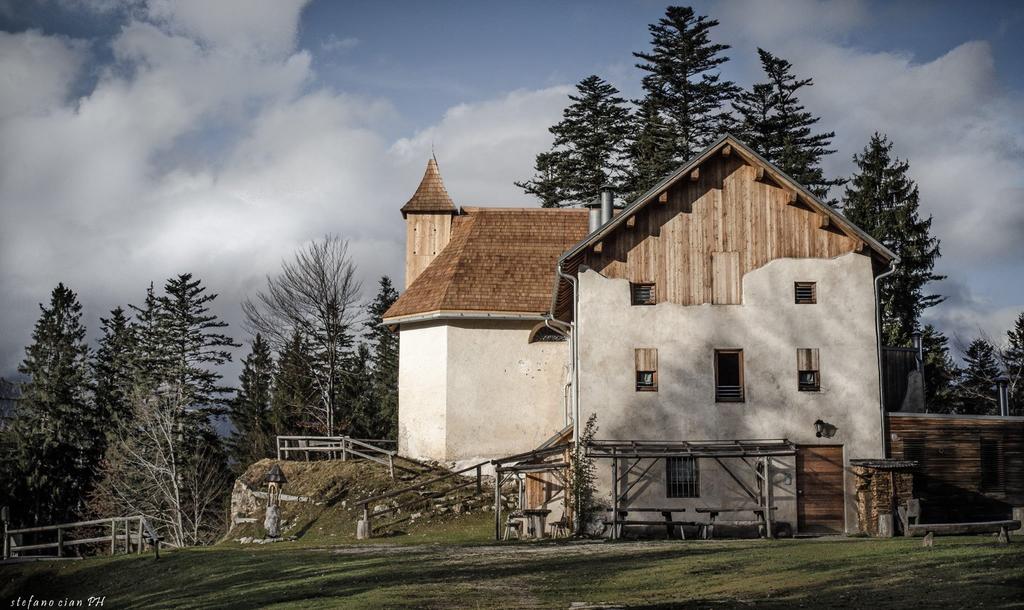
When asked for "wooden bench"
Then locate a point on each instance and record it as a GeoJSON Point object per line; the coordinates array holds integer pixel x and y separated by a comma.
{"type": "Point", "coordinates": [930, 530]}
{"type": "Point", "coordinates": [713, 512]}
{"type": "Point", "coordinates": [622, 519]}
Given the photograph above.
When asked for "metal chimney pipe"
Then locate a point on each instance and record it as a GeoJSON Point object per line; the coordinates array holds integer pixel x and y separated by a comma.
{"type": "Point", "coordinates": [919, 346]}
{"type": "Point", "coordinates": [1002, 383]}
{"type": "Point", "coordinates": [594, 218]}
{"type": "Point", "coordinates": [607, 203]}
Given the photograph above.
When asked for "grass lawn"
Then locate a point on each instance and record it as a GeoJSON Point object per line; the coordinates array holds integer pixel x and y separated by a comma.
{"type": "Point", "coordinates": [898, 573]}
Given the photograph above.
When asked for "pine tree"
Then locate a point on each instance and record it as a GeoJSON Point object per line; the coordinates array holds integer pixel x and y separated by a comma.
{"type": "Point", "coordinates": [114, 367]}
{"type": "Point", "coordinates": [881, 199]}
{"type": "Point", "coordinates": [650, 150]}
{"type": "Point", "coordinates": [358, 391]}
{"type": "Point", "coordinates": [254, 436]}
{"type": "Point", "coordinates": [589, 149]}
{"type": "Point", "coordinates": [57, 429]}
{"type": "Point", "coordinates": [194, 344]}
{"type": "Point", "coordinates": [777, 126]}
{"type": "Point", "coordinates": [384, 368]}
{"type": "Point", "coordinates": [294, 390]}
{"type": "Point", "coordinates": [977, 393]}
{"type": "Point", "coordinates": [1013, 357]}
{"type": "Point", "coordinates": [940, 372]}
{"type": "Point", "coordinates": [683, 83]}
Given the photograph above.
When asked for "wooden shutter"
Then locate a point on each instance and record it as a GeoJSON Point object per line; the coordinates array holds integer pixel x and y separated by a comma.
{"type": "Point", "coordinates": [646, 359]}
{"type": "Point", "coordinates": [807, 359]}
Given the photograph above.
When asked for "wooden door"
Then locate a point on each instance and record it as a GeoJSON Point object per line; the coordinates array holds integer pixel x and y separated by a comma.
{"type": "Point", "coordinates": [819, 489]}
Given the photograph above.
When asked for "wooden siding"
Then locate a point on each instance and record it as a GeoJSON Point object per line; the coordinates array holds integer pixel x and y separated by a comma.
{"type": "Point", "coordinates": [426, 236]}
{"type": "Point", "coordinates": [948, 479]}
{"type": "Point", "coordinates": [698, 244]}
{"type": "Point", "coordinates": [819, 484]}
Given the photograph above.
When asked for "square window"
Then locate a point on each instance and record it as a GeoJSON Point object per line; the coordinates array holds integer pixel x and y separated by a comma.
{"type": "Point", "coordinates": [682, 477]}
{"type": "Point", "coordinates": [806, 293]}
{"type": "Point", "coordinates": [642, 293]}
{"type": "Point", "coordinates": [808, 379]}
{"type": "Point", "coordinates": [645, 381]}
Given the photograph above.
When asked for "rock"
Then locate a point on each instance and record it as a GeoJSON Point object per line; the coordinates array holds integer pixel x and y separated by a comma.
{"type": "Point", "coordinates": [245, 540]}
{"type": "Point", "coordinates": [929, 540]}
{"type": "Point", "coordinates": [416, 515]}
{"type": "Point", "coordinates": [272, 522]}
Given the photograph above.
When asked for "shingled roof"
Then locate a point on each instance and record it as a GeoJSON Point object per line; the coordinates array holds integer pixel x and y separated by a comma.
{"type": "Point", "coordinates": [499, 260]}
{"type": "Point", "coordinates": [430, 196]}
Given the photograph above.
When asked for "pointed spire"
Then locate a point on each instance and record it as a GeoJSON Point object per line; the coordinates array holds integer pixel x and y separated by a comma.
{"type": "Point", "coordinates": [431, 195]}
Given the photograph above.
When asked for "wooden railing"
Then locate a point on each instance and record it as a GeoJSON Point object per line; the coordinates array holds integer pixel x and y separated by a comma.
{"type": "Point", "coordinates": [366, 529]}
{"type": "Point", "coordinates": [341, 447]}
{"type": "Point", "coordinates": [129, 535]}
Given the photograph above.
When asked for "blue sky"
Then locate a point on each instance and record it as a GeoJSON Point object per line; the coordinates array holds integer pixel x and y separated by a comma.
{"type": "Point", "coordinates": [146, 138]}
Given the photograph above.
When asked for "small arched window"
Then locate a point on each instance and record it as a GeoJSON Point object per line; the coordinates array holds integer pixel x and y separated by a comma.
{"type": "Point", "coordinates": [541, 333]}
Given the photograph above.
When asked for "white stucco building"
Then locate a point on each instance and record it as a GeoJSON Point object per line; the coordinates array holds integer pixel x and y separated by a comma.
{"type": "Point", "coordinates": [721, 329]}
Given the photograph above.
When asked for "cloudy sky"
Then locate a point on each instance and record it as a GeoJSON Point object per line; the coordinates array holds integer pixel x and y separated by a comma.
{"type": "Point", "coordinates": [143, 139]}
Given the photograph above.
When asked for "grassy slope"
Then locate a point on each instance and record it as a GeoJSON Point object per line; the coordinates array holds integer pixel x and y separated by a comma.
{"type": "Point", "coordinates": [958, 572]}
{"type": "Point", "coordinates": [336, 486]}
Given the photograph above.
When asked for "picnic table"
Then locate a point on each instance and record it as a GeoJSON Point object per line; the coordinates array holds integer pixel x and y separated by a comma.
{"type": "Point", "coordinates": [714, 511]}
{"type": "Point", "coordinates": [535, 521]}
{"type": "Point", "coordinates": [667, 520]}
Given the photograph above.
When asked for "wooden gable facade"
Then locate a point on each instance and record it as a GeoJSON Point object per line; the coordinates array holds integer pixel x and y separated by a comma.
{"type": "Point", "coordinates": [721, 216]}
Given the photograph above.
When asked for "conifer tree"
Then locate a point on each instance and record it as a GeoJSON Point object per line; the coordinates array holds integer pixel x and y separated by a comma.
{"type": "Point", "coordinates": [650, 150]}
{"type": "Point", "coordinates": [977, 393]}
{"type": "Point", "coordinates": [254, 436]}
{"type": "Point", "coordinates": [881, 199]}
{"type": "Point", "coordinates": [384, 368]}
{"type": "Point", "coordinates": [57, 429]}
{"type": "Point", "coordinates": [1013, 357]}
{"type": "Point", "coordinates": [777, 126]}
{"type": "Point", "coordinates": [194, 344]}
{"type": "Point", "coordinates": [940, 372]}
{"type": "Point", "coordinates": [589, 149]}
{"type": "Point", "coordinates": [682, 83]}
{"type": "Point", "coordinates": [114, 367]}
{"type": "Point", "coordinates": [294, 390]}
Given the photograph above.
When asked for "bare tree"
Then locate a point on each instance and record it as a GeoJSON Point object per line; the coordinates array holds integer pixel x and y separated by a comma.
{"type": "Point", "coordinates": [317, 296]}
{"type": "Point", "coordinates": [152, 470]}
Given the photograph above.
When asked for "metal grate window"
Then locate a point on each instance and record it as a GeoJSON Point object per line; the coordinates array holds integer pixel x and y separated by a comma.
{"type": "Point", "coordinates": [806, 293]}
{"type": "Point", "coordinates": [729, 375]}
{"type": "Point", "coordinates": [993, 471]}
{"type": "Point", "coordinates": [682, 477]}
{"type": "Point", "coordinates": [643, 294]}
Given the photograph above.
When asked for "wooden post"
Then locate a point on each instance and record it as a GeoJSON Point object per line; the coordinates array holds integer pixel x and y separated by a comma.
{"type": "Point", "coordinates": [615, 495]}
{"type": "Point", "coordinates": [138, 541]}
{"type": "Point", "coordinates": [391, 465]}
{"type": "Point", "coordinates": [113, 536]}
{"type": "Point", "coordinates": [344, 449]}
{"type": "Point", "coordinates": [279, 449]}
{"type": "Point", "coordinates": [127, 539]}
{"type": "Point", "coordinates": [7, 538]}
{"type": "Point", "coordinates": [497, 503]}
{"type": "Point", "coordinates": [768, 497]}
{"type": "Point", "coordinates": [60, 542]}
{"type": "Point", "coordinates": [479, 482]}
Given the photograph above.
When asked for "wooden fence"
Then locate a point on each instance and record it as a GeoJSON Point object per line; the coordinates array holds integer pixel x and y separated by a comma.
{"type": "Point", "coordinates": [338, 447]}
{"type": "Point", "coordinates": [132, 532]}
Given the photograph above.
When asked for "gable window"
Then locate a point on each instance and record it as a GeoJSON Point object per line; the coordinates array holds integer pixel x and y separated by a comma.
{"type": "Point", "coordinates": [642, 293]}
{"type": "Point", "coordinates": [808, 377]}
{"type": "Point", "coordinates": [682, 477]}
{"type": "Point", "coordinates": [728, 375]}
{"type": "Point", "coordinates": [806, 293]}
{"type": "Point", "coordinates": [646, 359]}
{"type": "Point", "coordinates": [993, 471]}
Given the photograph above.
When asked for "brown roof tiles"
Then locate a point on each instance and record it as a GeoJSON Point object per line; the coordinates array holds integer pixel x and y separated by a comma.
{"type": "Point", "coordinates": [430, 196]}
{"type": "Point", "coordinates": [498, 260]}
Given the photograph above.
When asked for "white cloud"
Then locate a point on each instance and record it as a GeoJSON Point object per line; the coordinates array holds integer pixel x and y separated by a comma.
{"type": "Point", "coordinates": [210, 150]}
{"type": "Point", "coordinates": [36, 72]}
